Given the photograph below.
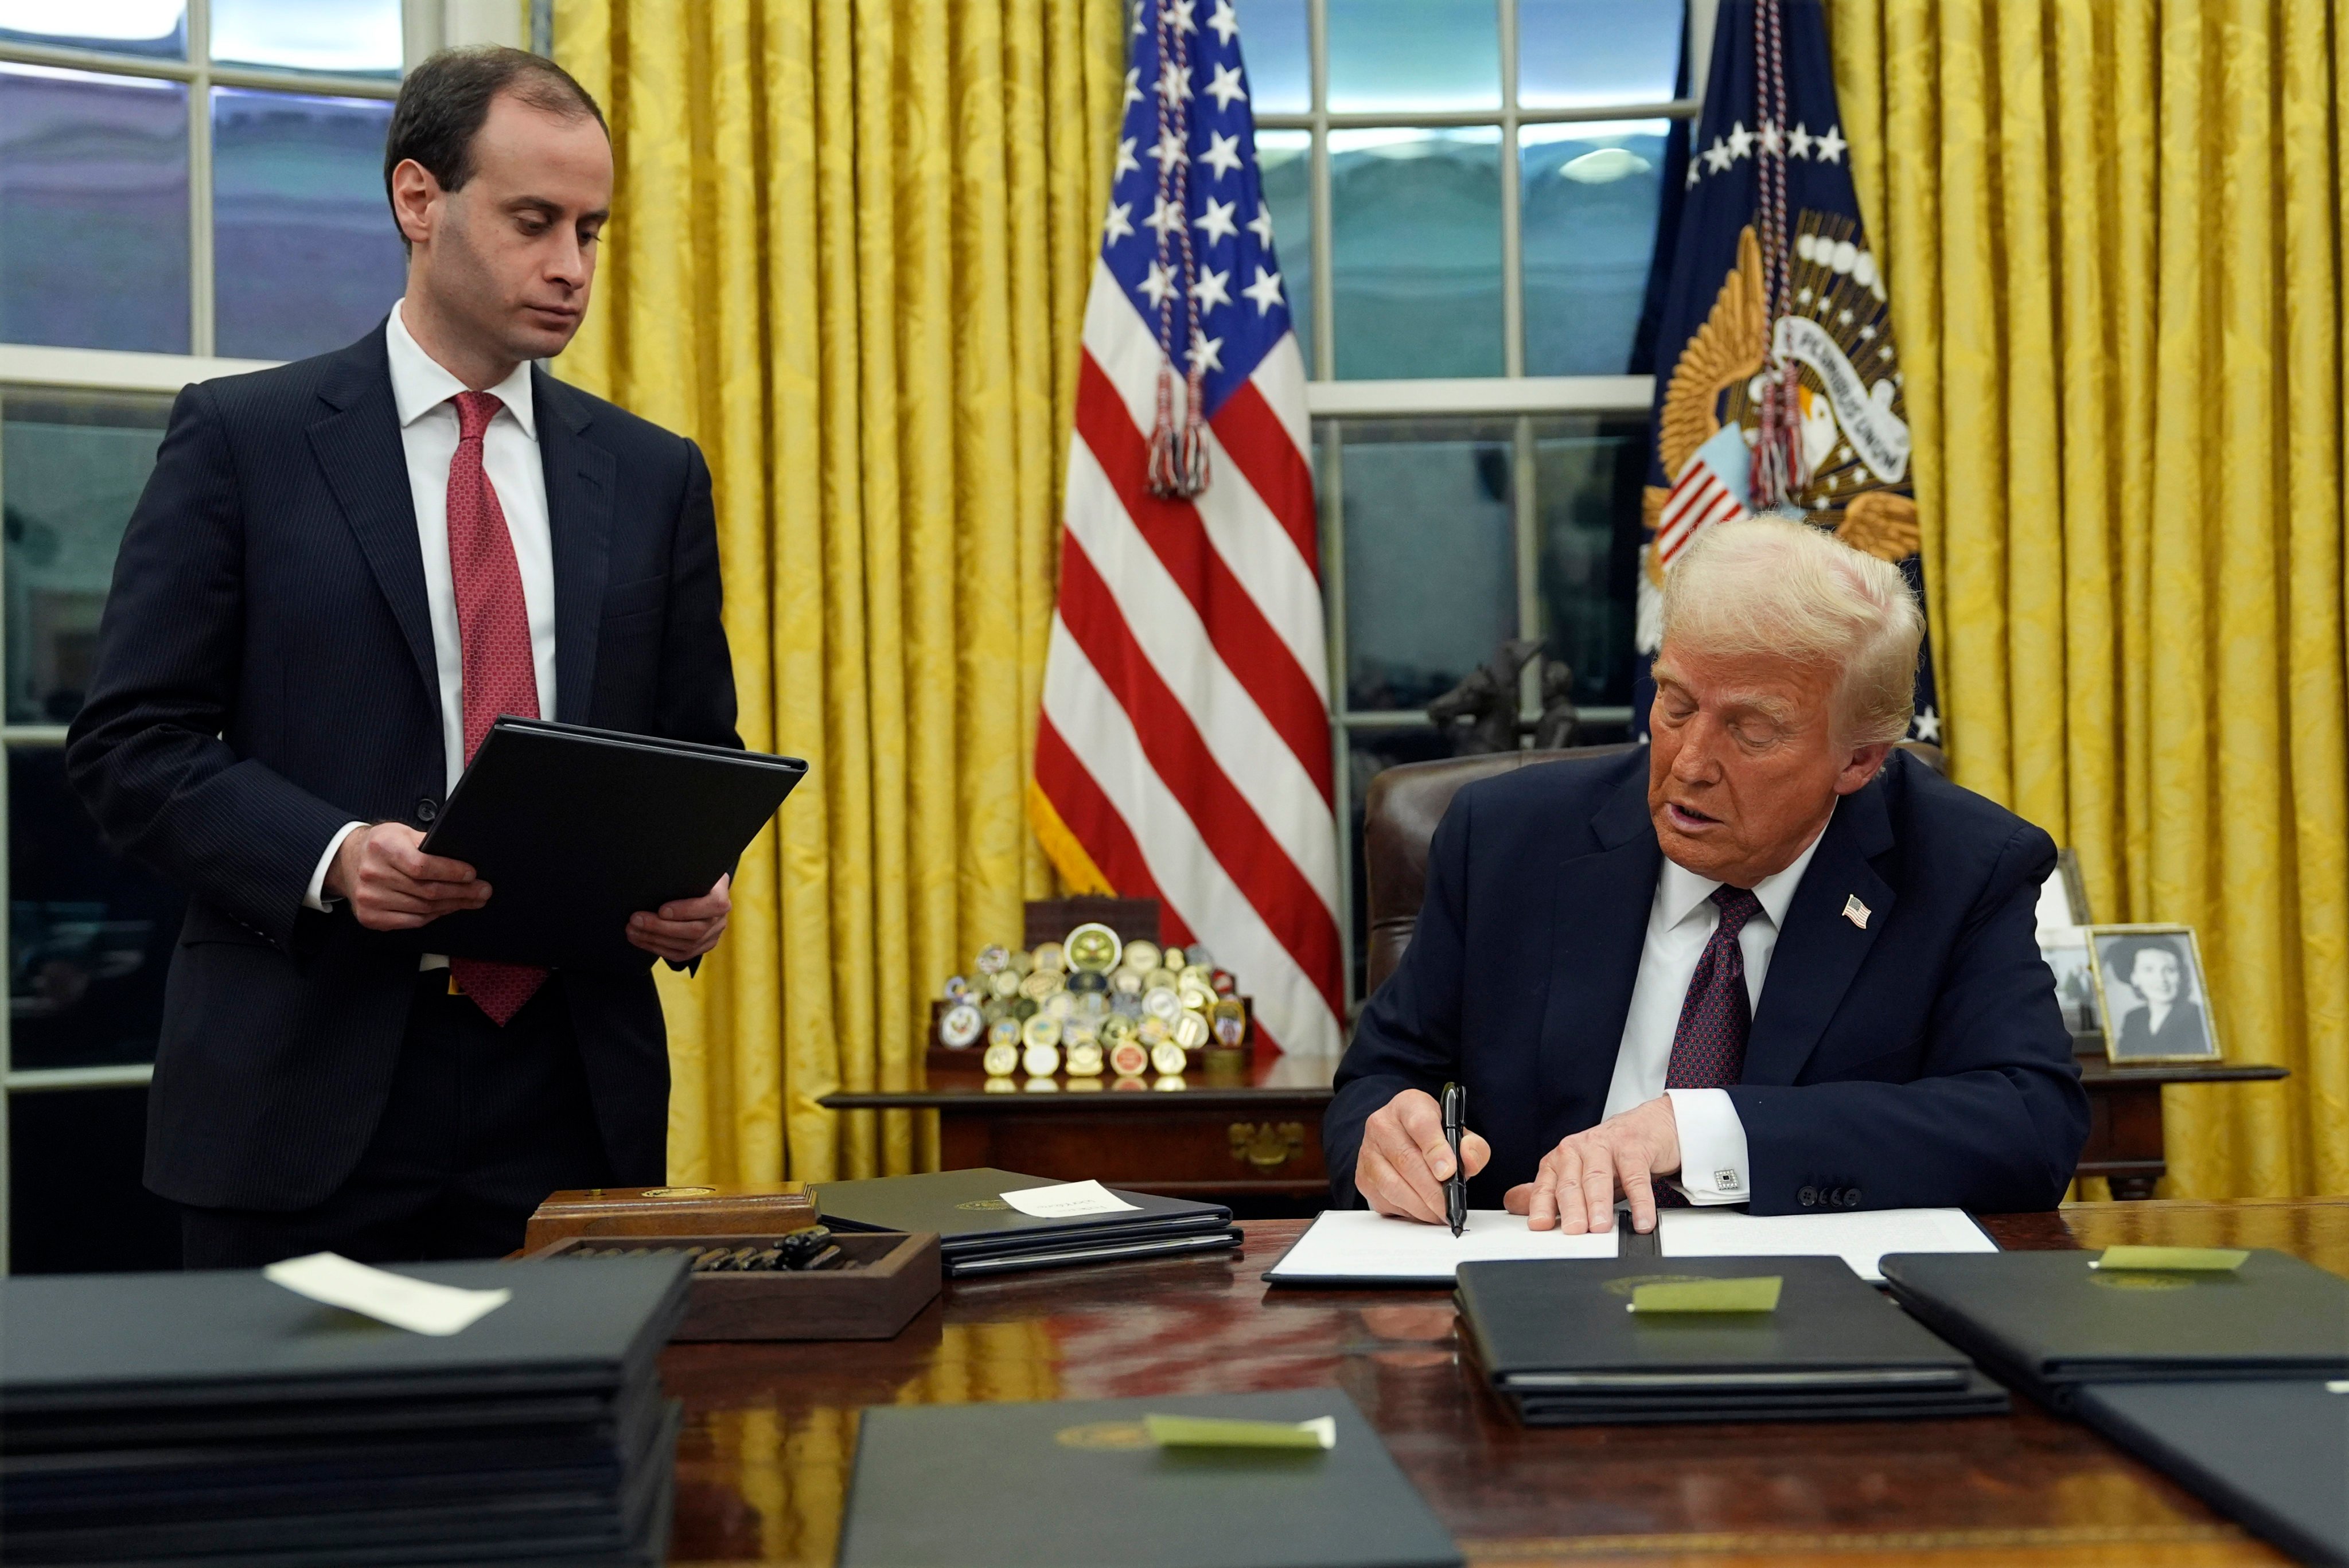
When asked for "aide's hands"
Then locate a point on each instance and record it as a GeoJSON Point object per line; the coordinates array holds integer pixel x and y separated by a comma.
{"type": "Point", "coordinates": [1575, 1189]}
{"type": "Point", "coordinates": [1404, 1160]}
{"type": "Point", "coordinates": [393, 885]}
{"type": "Point", "coordinates": [682, 930]}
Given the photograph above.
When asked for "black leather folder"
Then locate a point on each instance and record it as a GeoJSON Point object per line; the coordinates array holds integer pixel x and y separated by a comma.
{"type": "Point", "coordinates": [1076, 1484]}
{"type": "Point", "coordinates": [1560, 1345]}
{"type": "Point", "coordinates": [576, 829]}
{"type": "Point", "coordinates": [2047, 1321]}
{"type": "Point", "coordinates": [979, 1233]}
{"type": "Point", "coordinates": [2273, 1455]}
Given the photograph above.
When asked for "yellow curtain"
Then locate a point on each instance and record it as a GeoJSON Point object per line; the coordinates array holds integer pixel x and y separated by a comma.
{"type": "Point", "coordinates": [2115, 247]}
{"type": "Point", "coordinates": [848, 256]}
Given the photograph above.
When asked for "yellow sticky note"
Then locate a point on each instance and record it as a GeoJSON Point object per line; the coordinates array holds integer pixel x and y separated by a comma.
{"type": "Point", "coordinates": [1209, 1432]}
{"type": "Point", "coordinates": [2197, 1260]}
{"type": "Point", "coordinates": [1755, 1293]}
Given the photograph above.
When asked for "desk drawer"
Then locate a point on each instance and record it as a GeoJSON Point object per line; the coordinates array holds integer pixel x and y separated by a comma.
{"type": "Point", "coordinates": [1264, 1149]}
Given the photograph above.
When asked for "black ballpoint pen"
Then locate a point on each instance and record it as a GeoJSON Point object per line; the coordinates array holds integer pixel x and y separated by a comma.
{"type": "Point", "coordinates": [1456, 1187]}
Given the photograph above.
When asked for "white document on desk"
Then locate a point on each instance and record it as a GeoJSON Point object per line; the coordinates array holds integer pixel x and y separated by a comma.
{"type": "Point", "coordinates": [1355, 1246]}
{"type": "Point", "coordinates": [1859, 1239]}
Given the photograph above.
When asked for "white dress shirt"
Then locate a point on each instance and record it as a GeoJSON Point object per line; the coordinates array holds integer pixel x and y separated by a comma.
{"type": "Point", "coordinates": [421, 391]}
{"type": "Point", "coordinates": [1680, 922]}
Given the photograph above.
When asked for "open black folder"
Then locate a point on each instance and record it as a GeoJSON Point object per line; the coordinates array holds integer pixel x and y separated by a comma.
{"type": "Point", "coordinates": [576, 829]}
{"type": "Point", "coordinates": [979, 1233]}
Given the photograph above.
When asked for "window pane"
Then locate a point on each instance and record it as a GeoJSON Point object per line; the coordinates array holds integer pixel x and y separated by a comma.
{"type": "Point", "coordinates": [306, 256]}
{"type": "Point", "coordinates": [1575, 54]}
{"type": "Point", "coordinates": [76, 1204]}
{"type": "Point", "coordinates": [1285, 163]}
{"type": "Point", "coordinates": [356, 37]}
{"type": "Point", "coordinates": [1588, 471]}
{"type": "Point", "coordinates": [1415, 243]}
{"type": "Point", "coordinates": [1275, 47]}
{"type": "Point", "coordinates": [93, 210]}
{"type": "Point", "coordinates": [1414, 53]}
{"type": "Point", "coordinates": [1588, 220]}
{"type": "Point", "coordinates": [71, 467]}
{"type": "Point", "coordinates": [1430, 554]}
{"type": "Point", "coordinates": [90, 935]}
{"type": "Point", "coordinates": [156, 29]}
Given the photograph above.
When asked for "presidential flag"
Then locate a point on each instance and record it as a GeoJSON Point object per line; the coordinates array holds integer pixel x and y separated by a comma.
{"type": "Point", "coordinates": [1778, 384]}
{"type": "Point", "coordinates": [1182, 753]}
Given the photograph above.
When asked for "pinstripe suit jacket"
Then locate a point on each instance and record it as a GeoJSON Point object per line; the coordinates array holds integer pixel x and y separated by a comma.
{"type": "Point", "coordinates": [265, 674]}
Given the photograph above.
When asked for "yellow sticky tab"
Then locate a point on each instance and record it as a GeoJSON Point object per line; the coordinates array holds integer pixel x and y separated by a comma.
{"type": "Point", "coordinates": [1209, 1432]}
{"type": "Point", "coordinates": [2196, 1260]}
{"type": "Point", "coordinates": [1755, 1293]}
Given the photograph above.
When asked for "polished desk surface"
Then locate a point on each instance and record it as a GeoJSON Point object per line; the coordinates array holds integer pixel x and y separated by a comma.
{"type": "Point", "coordinates": [770, 1432]}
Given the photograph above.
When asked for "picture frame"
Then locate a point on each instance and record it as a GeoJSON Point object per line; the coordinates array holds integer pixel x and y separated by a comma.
{"type": "Point", "coordinates": [2062, 921]}
{"type": "Point", "coordinates": [2141, 1028]}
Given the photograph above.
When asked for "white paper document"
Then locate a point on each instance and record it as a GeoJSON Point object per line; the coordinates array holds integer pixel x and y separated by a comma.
{"type": "Point", "coordinates": [417, 1306]}
{"type": "Point", "coordinates": [1859, 1239]}
{"type": "Point", "coordinates": [1344, 1245]}
{"type": "Point", "coordinates": [1068, 1200]}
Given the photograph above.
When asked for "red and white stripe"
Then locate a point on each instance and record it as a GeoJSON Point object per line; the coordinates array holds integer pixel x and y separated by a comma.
{"type": "Point", "coordinates": [1697, 502]}
{"type": "Point", "coordinates": [1185, 739]}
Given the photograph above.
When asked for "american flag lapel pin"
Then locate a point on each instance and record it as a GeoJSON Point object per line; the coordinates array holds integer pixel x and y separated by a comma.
{"type": "Point", "coordinates": [1855, 911]}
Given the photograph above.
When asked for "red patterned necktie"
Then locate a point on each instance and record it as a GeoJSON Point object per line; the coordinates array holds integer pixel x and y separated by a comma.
{"type": "Point", "coordinates": [1709, 1046]}
{"type": "Point", "coordinates": [494, 629]}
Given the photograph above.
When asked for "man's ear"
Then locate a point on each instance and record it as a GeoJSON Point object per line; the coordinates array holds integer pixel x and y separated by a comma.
{"type": "Point", "coordinates": [1864, 764]}
{"type": "Point", "coordinates": [414, 194]}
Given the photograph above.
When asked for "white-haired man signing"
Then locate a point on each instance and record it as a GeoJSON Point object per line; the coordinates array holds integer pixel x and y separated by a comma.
{"type": "Point", "coordinates": [1773, 960]}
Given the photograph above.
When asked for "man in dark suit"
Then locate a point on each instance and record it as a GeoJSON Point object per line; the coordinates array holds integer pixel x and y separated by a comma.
{"type": "Point", "coordinates": [1771, 957]}
{"type": "Point", "coordinates": [342, 571]}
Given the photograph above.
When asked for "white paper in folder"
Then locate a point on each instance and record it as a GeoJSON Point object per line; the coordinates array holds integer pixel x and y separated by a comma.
{"type": "Point", "coordinates": [1859, 1239]}
{"type": "Point", "coordinates": [1354, 1246]}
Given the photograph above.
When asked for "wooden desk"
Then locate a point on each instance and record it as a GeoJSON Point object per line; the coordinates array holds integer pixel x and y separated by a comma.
{"type": "Point", "coordinates": [1257, 1134]}
{"type": "Point", "coordinates": [770, 1430]}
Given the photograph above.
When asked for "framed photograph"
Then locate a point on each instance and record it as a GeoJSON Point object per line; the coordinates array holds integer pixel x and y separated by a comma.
{"type": "Point", "coordinates": [2151, 995]}
{"type": "Point", "coordinates": [2064, 896]}
{"type": "Point", "coordinates": [2065, 951]}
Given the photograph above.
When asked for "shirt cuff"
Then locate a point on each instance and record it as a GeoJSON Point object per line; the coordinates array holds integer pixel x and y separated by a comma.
{"type": "Point", "coordinates": [1712, 1147]}
{"type": "Point", "coordinates": [315, 897]}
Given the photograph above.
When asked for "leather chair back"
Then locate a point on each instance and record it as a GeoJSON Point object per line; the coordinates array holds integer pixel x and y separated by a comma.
{"type": "Point", "coordinates": [1398, 818]}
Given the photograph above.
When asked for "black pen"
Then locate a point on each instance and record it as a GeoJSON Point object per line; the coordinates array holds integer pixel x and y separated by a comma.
{"type": "Point", "coordinates": [1456, 1187]}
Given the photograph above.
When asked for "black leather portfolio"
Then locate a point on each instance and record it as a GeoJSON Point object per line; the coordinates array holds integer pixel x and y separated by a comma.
{"type": "Point", "coordinates": [1560, 1345]}
{"type": "Point", "coordinates": [163, 1419]}
{"type": "Point", "coordinates": [576, 829]}
{"type": "Point", "coordinates": [2046, 1320]}
{"type": "Point", "coordinates": [1078, 1485]}
{"type": "Point", "coordinates": [979, 1233]}
{"type": "Point", "coordinates": [2273, 1456]}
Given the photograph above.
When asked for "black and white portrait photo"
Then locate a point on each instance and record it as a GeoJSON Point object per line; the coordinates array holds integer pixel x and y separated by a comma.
{"type": "Point", "coordinates": [2154, 1003]}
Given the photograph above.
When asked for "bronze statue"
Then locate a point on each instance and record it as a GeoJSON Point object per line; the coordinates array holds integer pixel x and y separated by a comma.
{"type": "Point", "coordinates": [1560, 720]}
{"type": "Point", "coordinates": [1487, 699]}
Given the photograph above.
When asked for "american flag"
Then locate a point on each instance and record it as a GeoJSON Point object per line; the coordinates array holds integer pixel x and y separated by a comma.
{"type": "Point", "coordinates": [1182, 753]}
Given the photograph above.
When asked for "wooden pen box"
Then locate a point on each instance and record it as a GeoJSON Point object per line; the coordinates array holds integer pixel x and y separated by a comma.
{"type": "Point", "coordinates": [770, 1208]}
{"type": "Point", "coordinates": [894, 1275]}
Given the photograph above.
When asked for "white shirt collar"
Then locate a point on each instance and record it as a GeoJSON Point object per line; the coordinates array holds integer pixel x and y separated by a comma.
{"type": "Point", "coordinates": [419, 384]}
{"type": "Point", "coordinates": [1682, 892]}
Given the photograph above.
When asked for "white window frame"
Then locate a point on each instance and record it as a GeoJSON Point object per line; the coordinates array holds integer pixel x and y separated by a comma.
{"type": "Point", "coordinates": [1512, 395]}
{"type": "Point", "coordinates": [426, 25]}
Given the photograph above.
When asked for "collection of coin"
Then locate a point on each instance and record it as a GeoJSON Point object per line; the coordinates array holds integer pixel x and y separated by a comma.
{"type": "Point", "coordinates": [1091, 1001]}
{"type": "Point", "coordinates": [801, 1251]}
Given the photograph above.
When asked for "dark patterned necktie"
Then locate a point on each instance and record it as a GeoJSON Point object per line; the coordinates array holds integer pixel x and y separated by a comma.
{"type": "Point", "coordinates": [1709, 1046]}
{"type": "Point", "coordinates": [493, 631]}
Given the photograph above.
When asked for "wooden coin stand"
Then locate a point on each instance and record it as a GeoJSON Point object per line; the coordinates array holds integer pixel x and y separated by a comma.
{"type": "Point", "coordinates": [770, 1208]}
{"type": "Point", "coordinates": [887, 1278]}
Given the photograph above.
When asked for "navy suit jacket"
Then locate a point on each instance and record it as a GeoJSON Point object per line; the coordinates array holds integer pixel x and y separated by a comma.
{"type": "Point", "coordinates": [1920, 1060]}
{"type": "Point", "coordinates": [265, 674]}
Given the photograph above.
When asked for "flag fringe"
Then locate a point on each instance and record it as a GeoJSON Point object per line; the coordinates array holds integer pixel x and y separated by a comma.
{"type": "Point", "coordinates": [1061, 846]}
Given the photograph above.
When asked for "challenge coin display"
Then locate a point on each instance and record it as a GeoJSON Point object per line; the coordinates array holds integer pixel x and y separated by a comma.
{"type": "Point", "coordinates": [1191, 1031]}
{"type": "Point", "coordinates": [1041, 1061]}
{"type": "Point", "coordinates": [1168, 1058]}
{"type": "Point", "coordinates": [1129, 1057]}
{"type": "Point", "coordinates": [1000, 1058]}
{"type": "Point", "coordinates": [1084, 1058]}
{"type": "Point", "coordinates": [1094, 948]}
{"type": "Point", "coordinates": [962, 1025]}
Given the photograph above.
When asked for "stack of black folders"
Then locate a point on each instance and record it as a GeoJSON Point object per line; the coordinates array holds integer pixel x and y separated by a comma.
{"type": "Point", "coordinates": [1560, 1346]}
{"type": "Point", "coordinates": [202, 1420]}
{"type": "Point", "coordinates": [2233, 1380]}
{"type": "Point", "coordinates": [979, 1233]}
{"type": "Point", "coordinates": [1086, 1484]}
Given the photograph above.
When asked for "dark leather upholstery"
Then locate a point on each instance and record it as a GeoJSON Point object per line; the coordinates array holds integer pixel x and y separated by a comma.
{"type": "Point", "coordinates": [1399, 818]}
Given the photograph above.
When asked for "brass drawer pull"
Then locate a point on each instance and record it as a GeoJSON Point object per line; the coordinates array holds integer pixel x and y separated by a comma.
{"type": "Point", "coordinates": [1266, 1145]}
